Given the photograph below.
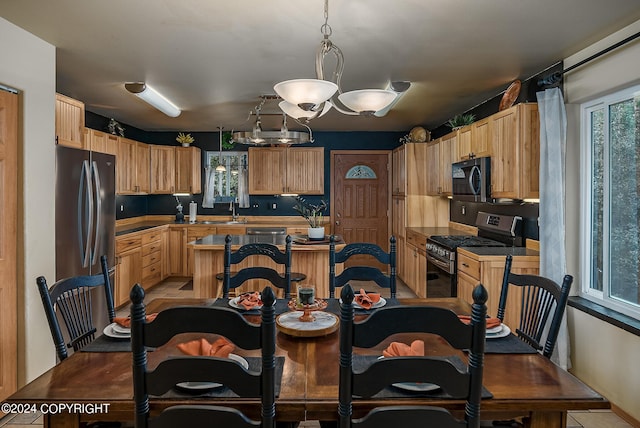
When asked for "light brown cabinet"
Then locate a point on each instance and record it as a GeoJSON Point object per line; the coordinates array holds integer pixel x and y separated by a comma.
{"type": "Point", "coordinates": [177, 263]}
{"type": "Point", "coordinates": [489, 270]}
{"type": "Point", "coordinates": [416, 263]}
{"type": "Point", "coordinates": [151, 258]}
{"type": "Point", "coordinates": [98, 141]}
{"type": "Point", "coordinates": [132, 167]}
{"type": "Point", "coordinates": [433, 168]}
{"type": "Point", "coordinates": [163, 171]}
{"type": "Point", "coordinates": [188, 170]}
{"type": "Point", "coordinates": [398, 172]}
{"type": "Point", "coordinates": [276, 170]}
{"type": "Point", "coordinates": [439, 159]}
{"type": "Point", "coordinates": [69, 122]}
{"type": "Point", "coordinates": [473, 141]}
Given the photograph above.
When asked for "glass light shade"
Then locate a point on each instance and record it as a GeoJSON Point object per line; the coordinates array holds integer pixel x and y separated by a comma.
{"type": "Point", "coordinates": [153, 97]}
{"type": "Point", "coordinates": [297, 113]}
{"type": "Point", "coordinates": [367, 100]}
{"type": "Point", "coordinates": [305, 92]}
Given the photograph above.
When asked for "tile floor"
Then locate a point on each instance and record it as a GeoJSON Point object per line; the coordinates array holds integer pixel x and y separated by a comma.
{"type": "Point", "coordinates": [172, 288]}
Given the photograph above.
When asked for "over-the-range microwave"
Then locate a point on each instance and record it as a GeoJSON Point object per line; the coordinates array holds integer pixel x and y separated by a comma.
{"type": "Point", "coordinates": [472, 180]}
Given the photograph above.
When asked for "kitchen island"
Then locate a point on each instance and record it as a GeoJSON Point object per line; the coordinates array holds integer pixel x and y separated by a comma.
{"type": "Point", "coordinates": [312, 260]}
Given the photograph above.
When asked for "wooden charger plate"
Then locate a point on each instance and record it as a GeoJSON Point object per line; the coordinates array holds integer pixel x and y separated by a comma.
{"type": "Point", "coordinates": [510, 95]}
{"type": "Point", "coordinates": [325, 323]}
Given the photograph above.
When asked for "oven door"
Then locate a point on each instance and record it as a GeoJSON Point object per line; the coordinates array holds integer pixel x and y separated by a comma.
{"type": "Point", "coordinates": [440, 282]}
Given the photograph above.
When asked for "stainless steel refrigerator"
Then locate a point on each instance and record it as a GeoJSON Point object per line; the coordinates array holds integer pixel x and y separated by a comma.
{"type": "Point", "coordinates": [85, 216]}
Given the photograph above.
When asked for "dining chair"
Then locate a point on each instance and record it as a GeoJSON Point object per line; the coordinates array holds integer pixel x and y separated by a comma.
{"type": "Point", "coordinates": [233, 280]}
{"type": "Point", "coordinates": [458, 381]}
{"type": "Point", "coordinates": [541, 298]}
{"type": "Point", "coordinates": [362, 273]}
{"type": "Point", "coordinates": [169, 372]}
{"type": "Point", "coordinates": [74, 300]}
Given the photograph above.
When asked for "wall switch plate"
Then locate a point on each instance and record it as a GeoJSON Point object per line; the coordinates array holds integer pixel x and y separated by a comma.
{"type": "Point", "coordinates": [274, 206]}
{"type": "Point", "coordinates": [121, 208]}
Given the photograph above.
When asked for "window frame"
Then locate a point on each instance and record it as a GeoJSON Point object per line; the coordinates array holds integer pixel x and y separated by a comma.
{"type": "Point", "coordinates": [601, 297]}
{"type": "Point", "coordinates": [241, 157]}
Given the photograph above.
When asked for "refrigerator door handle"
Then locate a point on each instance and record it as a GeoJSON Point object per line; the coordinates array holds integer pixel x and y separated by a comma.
{"type": "Point", "coordinates": [85, 193]}
{"type": "Point", "coordinates": [98, 199]}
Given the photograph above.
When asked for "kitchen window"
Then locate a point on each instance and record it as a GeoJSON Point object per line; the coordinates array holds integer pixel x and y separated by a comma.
{"type": "Point", "coordinates": [610, 234]}
{"type": "Point", "coordinates": [226, 182]}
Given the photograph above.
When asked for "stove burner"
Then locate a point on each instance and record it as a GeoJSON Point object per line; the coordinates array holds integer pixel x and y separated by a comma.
{"type": "Point", "coordinates": [451, 242]}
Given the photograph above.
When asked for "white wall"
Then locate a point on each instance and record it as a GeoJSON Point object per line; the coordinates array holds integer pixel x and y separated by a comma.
{"type": "Point", "coordinates": [603, 356]}
{"type": "Point", "coordinates": [28, 64]}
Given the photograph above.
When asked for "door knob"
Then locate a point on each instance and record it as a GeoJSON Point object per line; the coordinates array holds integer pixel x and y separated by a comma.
{"type": "Point", "coordinates": [337, 223]}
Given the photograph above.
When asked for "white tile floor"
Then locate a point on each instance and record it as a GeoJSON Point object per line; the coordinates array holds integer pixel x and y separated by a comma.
{"type": "Point", "coordinates": [171, 288]}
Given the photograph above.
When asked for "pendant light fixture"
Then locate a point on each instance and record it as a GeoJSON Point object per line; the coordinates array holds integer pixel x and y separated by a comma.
{"type": "Point", "coordinates": [314, 97]}
{"type": "Point", "coordinates": [220, 167]}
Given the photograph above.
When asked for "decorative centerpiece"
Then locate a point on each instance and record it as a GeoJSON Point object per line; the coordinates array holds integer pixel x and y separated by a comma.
{"type": "Point", "coordinates": [306, 301]}
{"type": "Point", "coordinates": [185, 139]}
{"type": "Point", "coordinates": [314, 214]}
{"type": "Point", "coordinates": [461, 120]}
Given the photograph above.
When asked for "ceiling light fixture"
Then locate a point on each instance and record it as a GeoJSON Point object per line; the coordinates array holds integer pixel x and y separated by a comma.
{"type": "Point", "coordinates": [316, 96]}
{"type": "Point", "coordinates": [153, 97]}
{"type": "Point", "coordinates": [258, 137]}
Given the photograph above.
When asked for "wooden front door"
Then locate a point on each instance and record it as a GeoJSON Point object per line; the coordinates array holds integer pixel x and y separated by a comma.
{"type": "Point", "coordinates": [8, 236]}
{"type": "Point", "coordinates": [360, 198]}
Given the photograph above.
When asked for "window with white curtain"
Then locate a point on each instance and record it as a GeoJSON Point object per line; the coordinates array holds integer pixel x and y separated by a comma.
{"type": "Point", "coordinates": [610, 181]}
{"type": "Point", "coordinates": [226, 183]}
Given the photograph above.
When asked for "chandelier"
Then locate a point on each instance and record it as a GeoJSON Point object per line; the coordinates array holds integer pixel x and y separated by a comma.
{"type": "Point", "coordinates": [260, 137]}
{"type": "Point", "coordinates": [306, 99]}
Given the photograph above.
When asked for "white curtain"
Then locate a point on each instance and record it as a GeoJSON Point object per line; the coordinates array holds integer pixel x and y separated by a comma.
{"type": "Point", "coordinates": [553, 142]}
{"type": "Point", "coordinates": [243, 184]}
{"type": "Point", "coordinates": [209, 188]}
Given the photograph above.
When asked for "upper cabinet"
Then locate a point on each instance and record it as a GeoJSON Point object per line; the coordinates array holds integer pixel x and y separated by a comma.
{"type": "Point", "coordinates": [276, 170]}
{"type": "Point", "coordinates": [440, 155]}
{"type": "Point", "coordinates": [132, 167]}
{"type": "Point", "coordinates": [188, 170]}
{"type": "Point", "coordinates": [69, 122]}
{"type": "Point", "coordinates": [473, 141]}
{"type": "Point", "coordinates": [409, 160]}
{"type": "Point", "coordinates": [398, 171]}
{"type": "Point", "coordinates": [98, 141]}
{"type": "Point", "coordinates": [163, 172]}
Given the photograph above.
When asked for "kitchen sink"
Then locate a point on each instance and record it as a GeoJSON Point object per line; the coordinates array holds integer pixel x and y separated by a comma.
{"type": "Point", "coordinates": [221, 222]}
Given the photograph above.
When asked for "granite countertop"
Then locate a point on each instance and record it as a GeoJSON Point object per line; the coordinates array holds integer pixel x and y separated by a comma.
{"type": "Point", "coordinates": [501, 251]}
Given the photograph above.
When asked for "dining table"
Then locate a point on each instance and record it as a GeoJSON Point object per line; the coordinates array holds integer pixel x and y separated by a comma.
{"type": "Point", "coordinates": [96, 382]}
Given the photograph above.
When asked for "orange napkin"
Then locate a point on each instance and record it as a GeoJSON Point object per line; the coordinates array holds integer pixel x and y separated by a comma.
{"type": "Point", "coordinates": [399, 349]}
{"type": "Point", "coordinates": [201, 347]}
{"type": "Point", "coordinates": [126, 321]}
{"type": "Point", "coordinates": [366, 300]}
{"type": "Point", "coordinates": [491, 322]}
{"type": "Point", "coordinates": [250, 300]}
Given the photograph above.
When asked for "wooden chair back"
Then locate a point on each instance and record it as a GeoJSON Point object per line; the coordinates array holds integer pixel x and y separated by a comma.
{"type": "Point", "coordinates": [173, 370]}
{"type": "Point", "coordinates": [73, 300]}
{"type": "Point", "coordinates": [363, 273]}
{"type": "Point", "coordinates": [541, 298]}
{"type": "Point", "coordinates": [231, 281]}
{"type": "Point", "coordinates": [385, 322]}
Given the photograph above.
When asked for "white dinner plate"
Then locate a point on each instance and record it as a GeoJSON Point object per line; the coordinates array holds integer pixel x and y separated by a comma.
{"type": "Point", "coordinates": [205, 386]}
{"type": "Point", "coordinates": [504, 331]}
{"type": "Point", "coordinates": [234, 304]}
{"type": "Point", "coordinates": [380, 303]}
{"type": "Point", "coordinates": [496, 329]}
{"type": "Point", "coordinates": [117, 328]}
{"type": "Point", "coordinates": [110, 332]}
{"type": "Point", "coordinates": [414, 386]}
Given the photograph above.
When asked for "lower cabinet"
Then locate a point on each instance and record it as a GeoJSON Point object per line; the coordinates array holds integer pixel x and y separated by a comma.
{"type": "Point", "coordinates": [177, 263]}
{"type": "Point", "coordinates": [128, 270]}
{"type": "Point", "coordinates": [194, 233]}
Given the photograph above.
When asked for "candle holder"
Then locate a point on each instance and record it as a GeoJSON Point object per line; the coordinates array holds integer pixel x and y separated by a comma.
{"type": "Point", "coordinates": [307, 308]}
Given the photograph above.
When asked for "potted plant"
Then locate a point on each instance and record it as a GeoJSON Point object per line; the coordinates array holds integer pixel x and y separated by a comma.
{"type": "Point", "coordinates": [185, 139]}
{"type": "Point", "coordinates": [314, 214]}
{"type": "Point", "coordinates": [461, 120]}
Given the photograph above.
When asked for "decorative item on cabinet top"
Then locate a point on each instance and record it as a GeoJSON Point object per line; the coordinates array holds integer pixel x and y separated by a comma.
{"type": "Point", "coordinates": [461, 120]}
{"type": "Point", "coordinates": [510, 95]}
{"type": "Point", "coordinates": [185, 139]}
{"type": "Point", "coordinates": [417, 135]}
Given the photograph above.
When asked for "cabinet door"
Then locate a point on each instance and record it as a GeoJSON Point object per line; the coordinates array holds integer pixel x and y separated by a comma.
{"type": "Point", "coordinates": [447, 148]}
{"type": "Point", "coordinates": [466, 284]}
{"type": "Point", "coordinates": [142, 168]}
{"type": "Point", "coordinates": [401, 256]}
{"type": "Point", "coordinates": [177, 251]}
{"type": "Point", "coordinates": [464, 144]}
{"type": "Point", "coordinates": [188, 170]}
{"type": "Point", "coordinates": [411, 267]}
{"type": "Point", "coordinates": [97, 141]}
{"type": "Point", "coordinates": [416, 168]}
{"type": "Point", "coordinates": [111, 144]}
{"type": "Point", "coordinates": [267, 170]}
{"type": "Point", "coordinates": [529, 151]}
{"type": "Point", "coordinates": [433, 168]}
{"type": "Point", "coordinates": [163, 172]}
{"type": "Point", "coordinates": [128, 273]}
{"type": "Point", "coordinates": [398, 173]}
{"type": "Point", "coordinates": [504, 139]}
{"type": "Point", "coordinates": [480, 142]}
{"type": "Point", "coordinates": [421, 275]}
{"type": "Point", "coordinates": [305, 171]}
{"type": "Point", "coordinates": [398, 218]}
{"type": "Point", "coordinates": [126, 167]}
{"type": "Point", "coordinates": [69, 122]}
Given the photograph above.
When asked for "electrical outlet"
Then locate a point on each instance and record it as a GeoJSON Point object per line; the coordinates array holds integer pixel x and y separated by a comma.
{"type": "Point", "coordinates": [464, 210]}
{"type": "Point", "coordinates": [274, 206]}
{"type": "Point", "coordinates": [255, 206]}
{"type": "Point", "coordinates": [121, 208]}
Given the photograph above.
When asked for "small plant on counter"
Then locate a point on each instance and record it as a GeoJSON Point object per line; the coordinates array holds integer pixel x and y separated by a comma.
{"type": "Point", "coordinates": [314, 214]}
{"type": "Point", "coordinates": [185, 139]}
{"type": "Point", "coordinates": [461, 120]}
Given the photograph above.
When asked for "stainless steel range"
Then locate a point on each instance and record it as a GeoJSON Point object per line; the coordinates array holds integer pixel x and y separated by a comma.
{"type": "Point", "coordinates": [493, 231]}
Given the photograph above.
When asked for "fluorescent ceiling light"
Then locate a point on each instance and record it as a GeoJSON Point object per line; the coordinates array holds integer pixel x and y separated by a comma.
{"type": "Point", "coordinates": [153, 97]}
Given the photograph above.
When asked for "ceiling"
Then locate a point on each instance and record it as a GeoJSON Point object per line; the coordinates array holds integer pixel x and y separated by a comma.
{"type": "Point", "coordinates": [215, 58]}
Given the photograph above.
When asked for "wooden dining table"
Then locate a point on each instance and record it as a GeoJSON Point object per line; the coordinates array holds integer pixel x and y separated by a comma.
{"type": "Point", "coordinates": [521, 385]}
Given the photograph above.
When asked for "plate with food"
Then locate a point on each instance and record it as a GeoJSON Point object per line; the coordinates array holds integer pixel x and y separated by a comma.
{"type": "Point", "coordinates": [205, 386]}
{"type": "Point", "coordinates": [247, 301]}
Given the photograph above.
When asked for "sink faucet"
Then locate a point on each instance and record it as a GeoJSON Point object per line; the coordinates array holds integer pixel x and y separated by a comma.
{"type": "Point", "coordinates": [232, 208]}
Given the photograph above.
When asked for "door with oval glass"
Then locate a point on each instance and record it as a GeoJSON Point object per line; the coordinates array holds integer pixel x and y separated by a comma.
{"type": "Point", "coordinates": [360, 198]}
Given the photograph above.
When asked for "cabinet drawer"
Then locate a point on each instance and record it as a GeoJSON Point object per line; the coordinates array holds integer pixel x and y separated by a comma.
{"type": "Point", "coordinates": [126, 244]}
{"type": "Point", "coordinates": [297, 230]}
{"type": "Point", "coordinates": [151, 248]}
{"type": "Point", "coordinates": [469, 266]}
{"type": "Point", "coordinates": [151, 274]}
{"type": "Point", "coordinates": [151, 237]}
{"type": "Point", "coordinates": [194, 233]}
{"type": "Point", "coordinates": [152, 258]}
{"type": "Point", "coordinates": [416, 239]}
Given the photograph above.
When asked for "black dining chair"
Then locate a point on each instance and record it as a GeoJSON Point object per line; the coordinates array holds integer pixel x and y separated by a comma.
{"type": "Point", "coordinates": [232, 280]}
{"type": "Point", "coordinates": [362, 273]}
{"type": "Point", "coordinates": [458, 380]}
{"type": "Point", "coordinates": [173, 370]}
{"type": "Point", "coordinates": [73, 299]}
{"type": "Point", "coordinates": [541, 298]}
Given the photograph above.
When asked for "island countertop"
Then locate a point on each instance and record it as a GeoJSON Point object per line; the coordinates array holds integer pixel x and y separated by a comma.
{"type": "Point", "coordinates": [216, 242]}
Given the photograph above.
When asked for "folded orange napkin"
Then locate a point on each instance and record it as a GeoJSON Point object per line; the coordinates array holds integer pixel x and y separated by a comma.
{"type": "Point", "coordinates": [250, 300]}
{"type": "Point", "coordinates": [126, 321]}
{"type": "Point", "coordinates": [491, 322]}
{"type": "Point", "coordinates": [366, 300]}
{"type": "Point", "coordinates": [399, 349]}
{"type": "Point", "coordinates": [201, 347]}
